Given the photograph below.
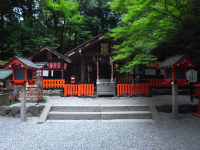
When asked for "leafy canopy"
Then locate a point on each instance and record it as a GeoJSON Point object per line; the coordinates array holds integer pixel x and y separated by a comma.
{"type": "Point", "coordinates": [147, 24]}
{"type": "Point", "coordinates": [68, 7]}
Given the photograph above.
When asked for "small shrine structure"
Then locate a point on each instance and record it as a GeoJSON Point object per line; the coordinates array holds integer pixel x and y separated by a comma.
{"type": "Point", "coordinates": [23, 72]}
{"type": "Point", "coordinates": [175, 69]}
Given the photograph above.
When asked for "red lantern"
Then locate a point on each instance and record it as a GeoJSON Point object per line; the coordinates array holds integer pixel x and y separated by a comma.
{"type": "Point", "coordinates": [51, 65]}
{"type": "Point", "coordinates": [54, 65]}
{"type": "Point", "coordinates": [65, 66]}
{"type": "Point", "coordinates": [59, 65]}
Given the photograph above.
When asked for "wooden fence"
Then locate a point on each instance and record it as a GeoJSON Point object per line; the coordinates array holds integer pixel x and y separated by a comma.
{"type": "Point", "coordinates": [69, 89]}
{"type": "Point", "coordinates": [53, 83]}
{"type": "Point", "coordinates": [133, 89]}
{"type": "Point", "coordinates": [161, 83]}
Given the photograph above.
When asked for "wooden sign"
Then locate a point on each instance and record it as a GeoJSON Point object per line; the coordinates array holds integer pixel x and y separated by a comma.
{"type": "Point", "coordinates": [191, 75]}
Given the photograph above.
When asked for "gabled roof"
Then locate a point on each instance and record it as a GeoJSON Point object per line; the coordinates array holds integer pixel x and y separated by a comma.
{"type": "Point", "coordinates": [4, 73]}
{"type": "Point", "coordinates": [76, 52]}
{"type": "Point", "coordinates": [176, 59]}
{"type": "Point", "coordinates": [23, 61]}
{"type": "Point", "coordinates": [47, 48]}
{"type": "Point", "coordinates": [90, 47]}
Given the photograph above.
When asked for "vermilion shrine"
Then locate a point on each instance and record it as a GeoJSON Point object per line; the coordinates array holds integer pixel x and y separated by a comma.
{"type": "Point", "coordinates": [175, 74]}
{"type": "Point", "coordinates": [23, 70]}
{"type": "Point", "coordinates": [88, 68]}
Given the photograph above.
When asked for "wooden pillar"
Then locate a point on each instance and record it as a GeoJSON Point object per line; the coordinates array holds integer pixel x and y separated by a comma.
{"type": "Point", "coordinates": [97, 71]}
{"type": "Point", "coordinates": [82, 69]}
{"type": "Point", "coordinates": [112, 72]}
{"type": "Point", "coordinates": [23, 103]}
{"type": "Point", "coordinates": [174, 100]}
{"type": "Point", "coordinates": [42, 82]}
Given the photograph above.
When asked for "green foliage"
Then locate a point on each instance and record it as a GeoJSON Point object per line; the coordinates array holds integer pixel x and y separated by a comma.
{"type": "Point", "coordinates": [7, 110]}
{"type": "Point", "coordinates": [147, 24]}
{"type": "Point", "coordinates": [68, 7]}
{"type": "Point", "coordinates": [61, 24]}
{"type": "Point", "coordinates": [52, 94]}
{"type": "Point", "coordinates": [43, 99]}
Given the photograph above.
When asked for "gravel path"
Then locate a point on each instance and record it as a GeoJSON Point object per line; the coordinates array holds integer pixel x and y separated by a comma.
{"type": "Point", "coordinates": [181, 134]}
{"type": "Point", "coordinates": [170, 134]}
{"type": "Point", "coordinates": [154, 100]}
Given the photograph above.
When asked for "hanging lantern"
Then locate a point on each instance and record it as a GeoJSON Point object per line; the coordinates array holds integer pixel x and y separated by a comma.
{"type": "Point", "coordinates": [89, 68]}
{"type": "Point", "coordinates": [55, 65]}
{"type": "Point", "coordinates": [65, 66]}
{"type": "Point", "coordinates": [51, 65]}
{"type": "Point", "coordinates": [59, 65]}
{"type": "Point", "coordinates": [116, 67]}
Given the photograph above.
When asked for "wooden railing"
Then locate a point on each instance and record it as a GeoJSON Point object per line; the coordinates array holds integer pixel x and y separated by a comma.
{"type": "Point", "coordinates": [86, 89]}
{"type": "Point", "coordinates": [53, 83]}
{"type": "Point", "coordinates": [156, 83]}
{"type": "Point", "coordinates": [133, 89]}
{"type": "Point", "coordinates": [69, 89]}
{"type": "Point", "coordinates": [161, 83]}
{"type": "Point", "coordinates": [78, 89]}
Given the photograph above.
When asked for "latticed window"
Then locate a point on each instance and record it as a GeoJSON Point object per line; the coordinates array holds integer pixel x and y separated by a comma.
{"type": "Point", "coordinates": [19, 74]}
{"type": "Point", "coordinates": [179, 73]}
{"type": "Point", "coordinates": [168, 73]}
{"type": "Point", "coordinates": [30, 74]}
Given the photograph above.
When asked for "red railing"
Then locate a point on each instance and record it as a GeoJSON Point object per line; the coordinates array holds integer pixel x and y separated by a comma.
{"type": "Point", "coordinates": [53, 83]}
{"type": "Point", "coordinates": [161, 83]}
{"type": "Point", "coordinates": [157, 83]}
{"type": "Point", "coordinates": [133, 89]}
{"type": "Point", "coordinates": [86, 89]}
{"type": "Point", "coordinates": [69, 89]}
{"type": "Point", "coordinates": [78, 89]}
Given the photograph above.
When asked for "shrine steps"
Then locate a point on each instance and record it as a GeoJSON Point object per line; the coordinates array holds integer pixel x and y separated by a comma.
{"type": "Point", "coordinates": [99, 113]}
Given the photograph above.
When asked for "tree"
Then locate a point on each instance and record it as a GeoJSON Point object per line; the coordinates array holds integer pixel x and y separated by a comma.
{"type": "Point", "coordinates": [98, 15]}
{"type": "Point", "coordinates": [147, 24]}
{"type": "Point", "coordinates": [25, 25]}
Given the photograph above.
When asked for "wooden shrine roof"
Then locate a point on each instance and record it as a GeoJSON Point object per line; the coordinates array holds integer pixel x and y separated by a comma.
{"type": "Point", "coordinates": [41, 54]}
{"type": "Point", "coordinates": [90, 47]}
{"type": "Point", "coordinates": [23, 61]}
{"type": "Point", "coordinates": [179, 59]}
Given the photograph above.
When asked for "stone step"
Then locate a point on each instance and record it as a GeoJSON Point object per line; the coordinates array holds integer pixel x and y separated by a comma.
{"type": "Point", "coordinates": [98, 108]}
{"type": "Point", "coordinates": [53, 115]}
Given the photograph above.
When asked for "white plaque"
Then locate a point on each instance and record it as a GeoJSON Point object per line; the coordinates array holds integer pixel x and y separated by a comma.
{"type": "Point", "coordinates": [191, 75]}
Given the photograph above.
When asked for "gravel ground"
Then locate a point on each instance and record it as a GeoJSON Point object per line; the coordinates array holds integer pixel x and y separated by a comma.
{"type": "Point", "coordinates": [154, 100]}
{"type": "Point", "coordinates": [170, 134]}
{"type": "Point", "coordinates": [181, 134]}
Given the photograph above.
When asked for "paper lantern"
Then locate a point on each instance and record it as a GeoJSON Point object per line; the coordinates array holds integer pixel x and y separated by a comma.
{"type": "Point", "coordinates": [65, 66]}
{"type": "Point", "coordinates": [51, 65]}
{"type": "Point", "coordinates": [55, 65]}
{"type": "Point", "coordinates": [59, 65]}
